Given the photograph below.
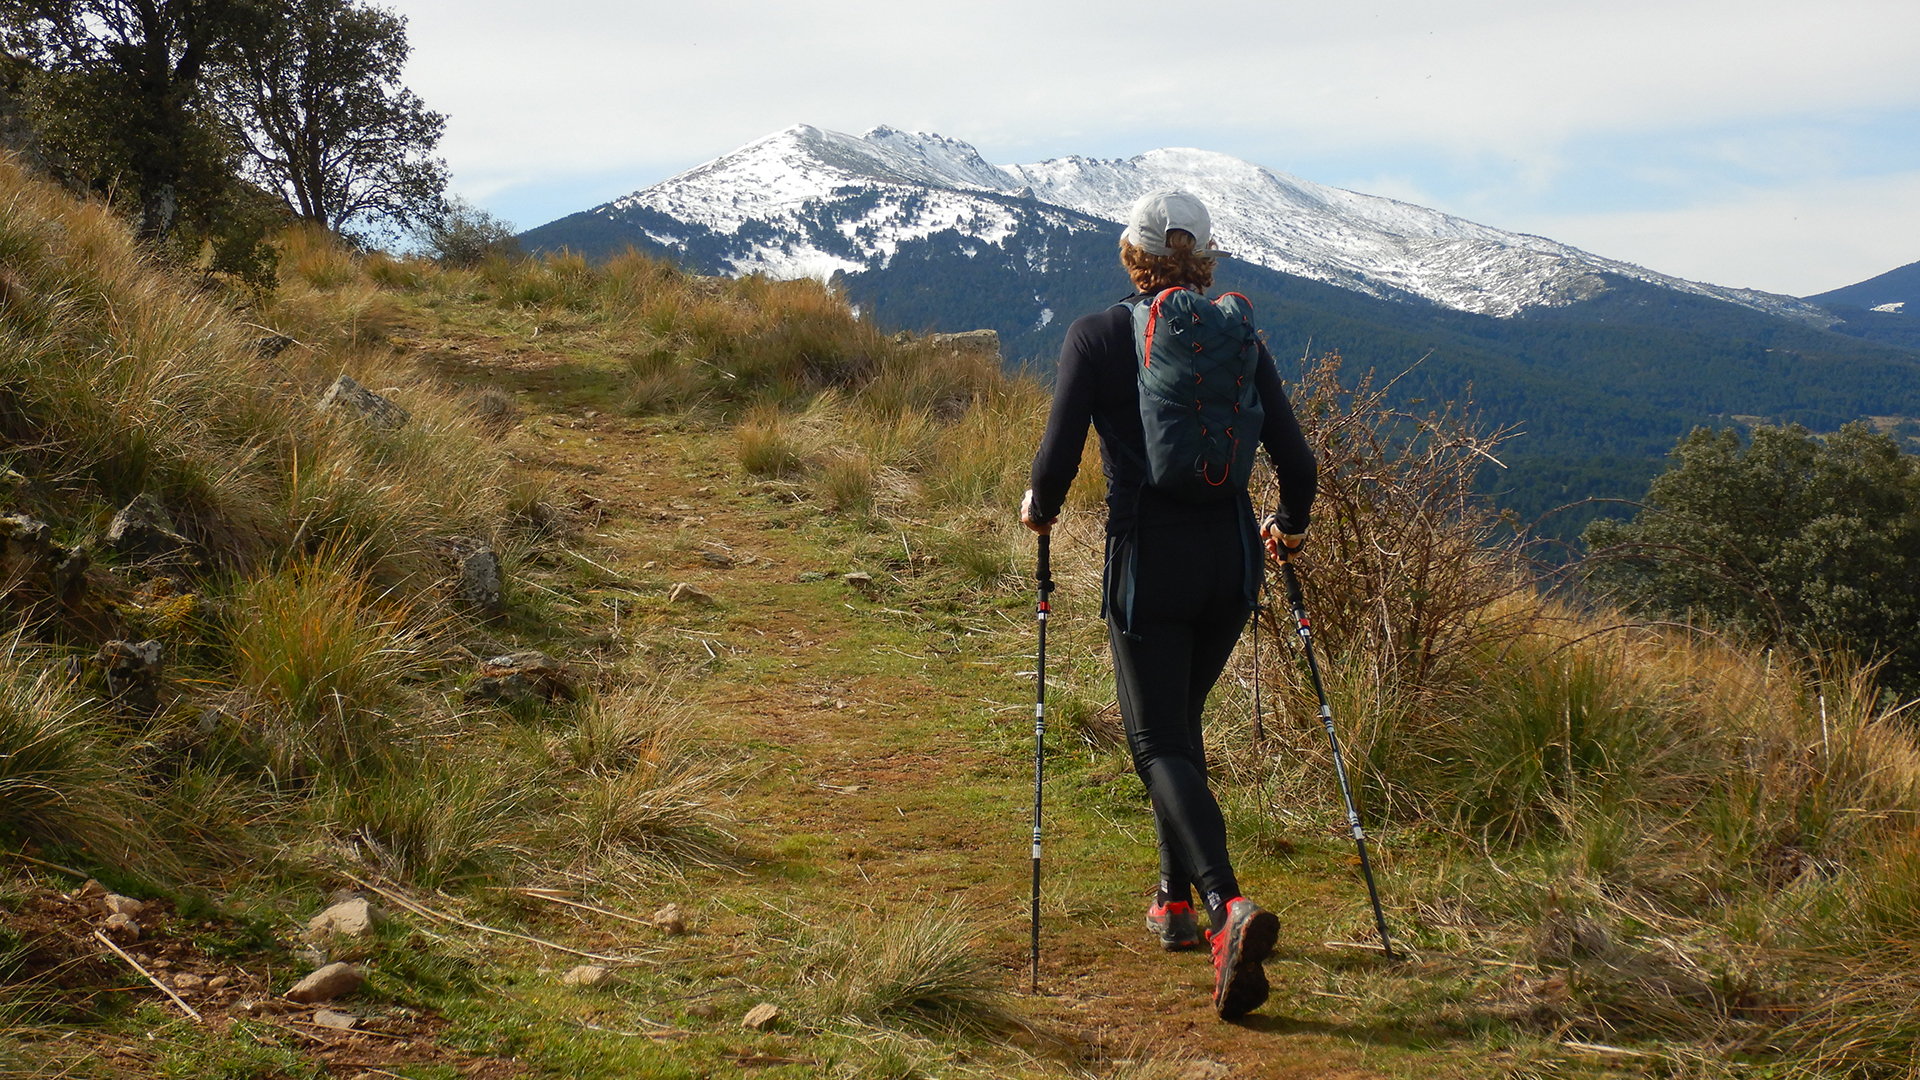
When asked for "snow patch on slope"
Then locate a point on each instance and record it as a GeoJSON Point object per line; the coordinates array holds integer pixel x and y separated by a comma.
{"type": "Point", "coordinates": [808, 202]}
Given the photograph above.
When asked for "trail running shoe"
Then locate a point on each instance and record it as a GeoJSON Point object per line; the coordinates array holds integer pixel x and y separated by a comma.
{"type": "Point", "coordinates": [1174, 922]}
{"type": "Point", "coordinates": [1239, 948]}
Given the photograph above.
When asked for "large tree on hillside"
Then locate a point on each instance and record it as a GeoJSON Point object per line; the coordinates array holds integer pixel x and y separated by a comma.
{"type": "Point", "coordinates": [316, 99]}
{"type": "Point", "coordinates": [119, 93]}
{"type": "Point", "coordinates": [1797, 537]}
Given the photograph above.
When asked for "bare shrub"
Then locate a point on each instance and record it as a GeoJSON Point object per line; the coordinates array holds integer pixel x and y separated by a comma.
{"type": "Point", "coordinates": [1405, 557]}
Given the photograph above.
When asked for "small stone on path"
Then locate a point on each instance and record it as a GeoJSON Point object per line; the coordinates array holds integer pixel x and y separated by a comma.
{"type": "Point", "coordinates": [761, 1016]}
{"type": "Point", "coordinates": [350, 918]}
{"type": "Point", "coordinates": [686, 593]}
{"type": "Point", "coordinates": [122, 928]}
{"type": "Point", "coordinates": [339, 1021]}
{"type": "Point", "coordinates": [703, 1010]}
{"type": "Point", "coordinates": [590, 976]}
{"type": "Point", "coordinates": [671, 919]}
{"type": "Point", "coordinates": [332, 981]}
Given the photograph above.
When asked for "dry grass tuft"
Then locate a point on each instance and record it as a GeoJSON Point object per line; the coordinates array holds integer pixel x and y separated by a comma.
{"type": "Point", "coordinates": [923, 972]}
{"type": "Point", "coordinates": [314, 649]}
{"type": "Point", "coordinates": [61, 780]}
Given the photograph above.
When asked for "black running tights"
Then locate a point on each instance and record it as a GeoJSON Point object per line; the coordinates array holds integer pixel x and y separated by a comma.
{"type": "Point", "coordinates": [1189, 607]}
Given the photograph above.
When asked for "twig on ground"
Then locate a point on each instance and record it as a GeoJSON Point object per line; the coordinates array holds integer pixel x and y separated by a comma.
{"type": "Point", "coordinates": [426, 912]}
{"type": "Point", "coordinates": [547, 895]}
{"type": "Point", "coordinates": [667, 1034]}
{"type": "Point", "coordinates": [162, 987]}
{"type": "Point", "coordinates": [1602, 1048]}
{"type": "Point", "coordinates": [51, 866]}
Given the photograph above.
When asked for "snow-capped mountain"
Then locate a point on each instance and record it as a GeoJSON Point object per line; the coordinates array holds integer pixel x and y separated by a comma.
{"type": "Point", "coordinates": [805, 201]}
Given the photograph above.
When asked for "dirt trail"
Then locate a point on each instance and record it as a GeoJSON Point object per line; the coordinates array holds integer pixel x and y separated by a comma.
{"type": "Point", "coordinates": [856, 769]}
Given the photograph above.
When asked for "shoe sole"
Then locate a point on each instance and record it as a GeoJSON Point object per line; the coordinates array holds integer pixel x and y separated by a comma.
{"type": "Point", "coordinates": [1246, 986]}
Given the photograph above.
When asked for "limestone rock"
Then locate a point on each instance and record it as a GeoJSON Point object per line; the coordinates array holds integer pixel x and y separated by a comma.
{"type": "Point", "coordinates": [133, 672]}
{"type": "Point", "coordinates": [761, 1016]}
{"type": "Point", "coordinates": [330, 982]}
{"type": "Point", "coordinates": [686, 593]}
{"type": "Point", "coordinates": [587, 976]}
{"type": "Point", "coordinates": [338, 1021]}
{"type": "Point", "coordinates": [703, 1010]}
{"type": "Point", "coordinates": [92, 890]}
{"type": "Point", "coordinates": [142, 530]}
{"type": "Point", "coordinates": [481, 585]}
{"type": "Point", "coordinates": [859, 579]}
{"type": "Point", "coordinates": [217, 984]}
{"type": "Point", "coordinates": [350, 397]}
{"type": "Point", "coordinates": [521, 676]}
{"type": "Point", "coordinates": [987, 341]}
{"type": "Point", "coordinates": [188, 983]}
{"type": "Point", "coordinates": [28, 552]}
{"type": "Point", "coordinates": [115, 904]}
{"type": "Point", "coordinates": [671, 919]}
{"type": "Point", "coordinates": [349, 918]}
{"type": "Point", "coordinates": [121, 928]}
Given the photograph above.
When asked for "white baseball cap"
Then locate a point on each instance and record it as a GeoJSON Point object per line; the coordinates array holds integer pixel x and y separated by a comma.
{"type": "Point", "coordinates": [1159, 212]}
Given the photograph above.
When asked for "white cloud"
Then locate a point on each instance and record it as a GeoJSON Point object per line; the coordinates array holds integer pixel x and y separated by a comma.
{"type": "Point", "coordinates": [549, 100]}
{"type": "Point", "coordinates": [1799, 241]}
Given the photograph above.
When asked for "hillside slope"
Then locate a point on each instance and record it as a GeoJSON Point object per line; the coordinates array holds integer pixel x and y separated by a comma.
{"type": "Point", "coordinates": [1602, 364]}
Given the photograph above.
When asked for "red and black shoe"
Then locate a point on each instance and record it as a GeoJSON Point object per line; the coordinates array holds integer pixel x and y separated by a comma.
{"type": "Point", "coordinates": [1239, 948]}
{"type": "Point", "coordinates": [1175, 924]}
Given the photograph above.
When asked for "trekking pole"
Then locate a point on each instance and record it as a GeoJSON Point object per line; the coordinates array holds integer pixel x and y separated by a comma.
{"type": "Point", "coordinates": [1298, 604]}
{"type": "Point", "coordinates": [1045, 576]}
{"type": "Point", "coordinates": [1259, 736]}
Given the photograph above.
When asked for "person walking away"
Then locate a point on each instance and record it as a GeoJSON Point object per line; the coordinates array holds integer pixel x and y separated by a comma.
{"type": "Point", "coordinates": [1184, 556]}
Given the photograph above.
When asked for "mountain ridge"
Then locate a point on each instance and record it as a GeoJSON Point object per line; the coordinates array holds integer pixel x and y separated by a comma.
{"type": "Point", "coordinates": [1605, 365]}
{"type": "Point", "coordinates": [1380, 246]}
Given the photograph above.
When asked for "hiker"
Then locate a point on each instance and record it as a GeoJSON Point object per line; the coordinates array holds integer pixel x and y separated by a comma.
{"type": "Point", "coordinates": [1184, 558]}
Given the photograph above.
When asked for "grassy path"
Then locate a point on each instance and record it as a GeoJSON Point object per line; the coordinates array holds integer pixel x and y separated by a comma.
{"type": "Point", "coordinates": [888, 745]}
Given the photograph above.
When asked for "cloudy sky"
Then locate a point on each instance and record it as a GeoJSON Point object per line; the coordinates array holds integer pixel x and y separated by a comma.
{"type": "Point", "coordinates": [1774, 145]}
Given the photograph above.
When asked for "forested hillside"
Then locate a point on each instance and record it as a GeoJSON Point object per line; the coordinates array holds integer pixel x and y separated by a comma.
{"type": "Point", "coordinates": [1597, 391]}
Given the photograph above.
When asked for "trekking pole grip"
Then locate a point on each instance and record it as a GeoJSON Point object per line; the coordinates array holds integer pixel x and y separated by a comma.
{"type": "Point", "coordinates": [1291, 581]}
{"type": "Point", "coordinates": [1044, 574]}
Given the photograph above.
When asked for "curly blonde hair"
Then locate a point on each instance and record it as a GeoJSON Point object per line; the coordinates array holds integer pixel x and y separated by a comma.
{"type": "Point", "coordinates": [1152, 273]}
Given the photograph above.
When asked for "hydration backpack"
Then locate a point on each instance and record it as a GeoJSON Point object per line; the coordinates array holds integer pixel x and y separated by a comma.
{"type": "Point", "coordinates": [1198, 403]}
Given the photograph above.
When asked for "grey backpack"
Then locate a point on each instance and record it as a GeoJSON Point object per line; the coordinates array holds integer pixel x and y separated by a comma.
{"type": "Point", "coordinates": [1198, 403]}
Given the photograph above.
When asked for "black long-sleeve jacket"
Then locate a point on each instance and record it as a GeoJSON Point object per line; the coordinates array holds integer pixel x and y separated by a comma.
{"type": "Point", "coordinates": [1097, 383]}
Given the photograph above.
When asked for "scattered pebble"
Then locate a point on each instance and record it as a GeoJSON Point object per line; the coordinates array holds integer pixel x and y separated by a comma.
{"type": "Point", "coordinates": [339, 1021]}
{"type": "Point", "coordinates": [671, 919]}
{"type": "Point", "coordinates": [685, 593]}
{"type": "Point", "coordinates": [332, 981]}
{"type": "Point", "coordinates": [589, 976]}
{"type": "Point", "coordinates": [703, 1010]}
{"type": "Point", "coordinates": [761, 1016]}
{"type": "Point", "coordinates": [351, 918]}
{"type": "Point", "coordinates": [122, 928]}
